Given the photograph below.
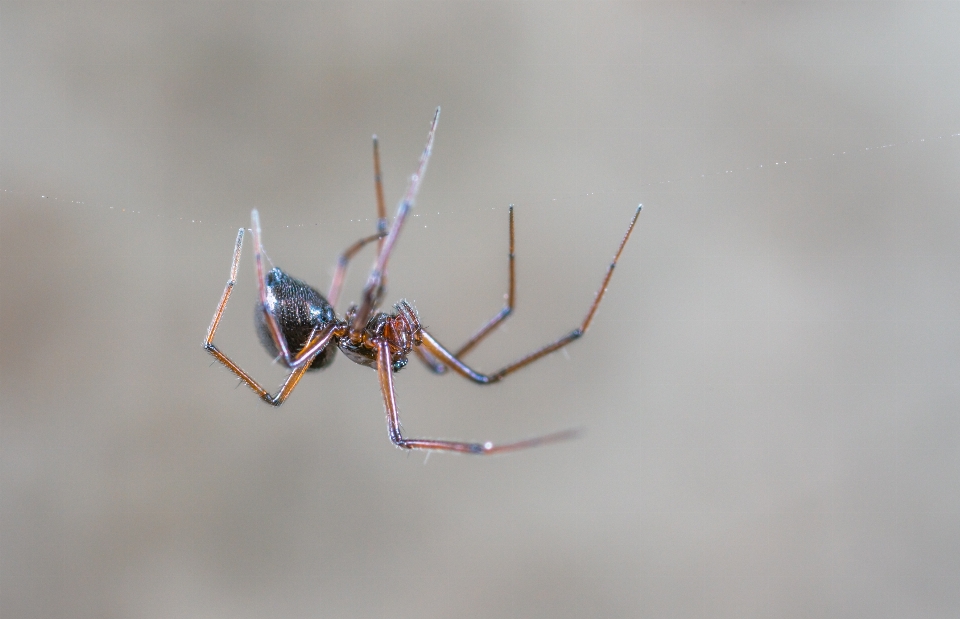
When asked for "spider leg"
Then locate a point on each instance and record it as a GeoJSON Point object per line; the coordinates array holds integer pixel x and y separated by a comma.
{"type": "Point", "coordinates": [385, 373]}
{"type": "Point", "coordinates": [342, 262]}
{"type": "Point", "coordinates": [430, 361]}
{"type": "Point", "coordinates": [285, 389]}
{"type": "Point", "coordinates": [438, 367]}
{"type": "Point", "coordinates": [378, 185]}
{"type": "Point", "coordinates": [503, 313]}
{"type": "Point", "coordinates": [234, 266]}
{"type": "Point", "coordinates": [344, 259]}
{"type": "Point", "coordinates": [374, 285]}
{"type": "Point", "coordinates": [317, 342]}
{"type": "Point", "coordinates": [440, 354]}
{"type": "Point", "coordinates": [303, 359]}
{"type": "Point", "coordinates": [275, 333]}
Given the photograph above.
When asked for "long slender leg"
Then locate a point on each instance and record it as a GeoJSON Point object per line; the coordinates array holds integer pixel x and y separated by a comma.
{"type": "Point", "coordinates": [430, 361]}
{"type": "Point", "coordinates": [503, 313]}
{"type": "Point", "coordinates": [374, 285]}
{"type": "Point", "coordinates": [438, 367]}
{"type": "Point", "coordinates": [275, 333]}
{"type": "Point", "coordinates": [285, 389]}
{"type": "Point", "coordinates": [342, 262]}
{"type": "Point", "coordinates": [440, 354]}
{"type": "Point", "coordinates": [227, 290]}
{"type": "Point", "coordinates": [385, 373]}
{"type": "Point", "coordinates": [317, 342]}
{"type": "Point", "coordinates": [381, 203]}
{"type": "Point", "coordinates": [381, 234]}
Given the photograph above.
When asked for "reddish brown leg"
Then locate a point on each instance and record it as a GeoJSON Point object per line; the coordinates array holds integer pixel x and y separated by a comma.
{"type": "Point", "coordinates": [278, 339]}
{"type": "Point", "coordinates": [381, 234]}
{"type": "Point", "coordinates": [381, 203]}
{"type": "Point", "coordinates": [437, 353]}
{"type": "Point", "coordinates": [438, 367]}
{"type": "Point", "coordinates": [503, 313]}
{"type": "Point", "coordinates": [342, 262]}
{"type": "Point", "coordinates": [227, 290]}
{"type": "Point", "coordinates": [302, 360]}
{"type": "Point", "coordinates": [385, 373]}
{"type": "Point", "coordinates": [435, 366]}
{"type": "Point", "coordinates": [374, 286]}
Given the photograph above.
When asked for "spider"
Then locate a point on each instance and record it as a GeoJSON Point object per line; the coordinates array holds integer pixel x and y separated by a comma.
{"type": "Point", "coordinates": [300, 327]}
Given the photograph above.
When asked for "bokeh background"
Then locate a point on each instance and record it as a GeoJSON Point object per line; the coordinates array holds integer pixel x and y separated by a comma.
{"type": "Point", "coordinates": [770, 390]}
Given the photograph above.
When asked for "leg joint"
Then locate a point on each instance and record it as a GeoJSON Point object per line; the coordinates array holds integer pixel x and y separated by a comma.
{"type": "Point", "coordinates": [272, 400]}
{"type": "Point", "coordinates": [397, 439]}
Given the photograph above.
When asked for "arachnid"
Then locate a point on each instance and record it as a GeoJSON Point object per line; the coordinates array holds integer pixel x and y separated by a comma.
{"type": "Point", "coordinates": [301, 328]}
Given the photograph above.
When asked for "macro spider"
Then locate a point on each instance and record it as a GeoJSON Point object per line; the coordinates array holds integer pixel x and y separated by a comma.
{"type": "Point", "coordinates": [300, 327]}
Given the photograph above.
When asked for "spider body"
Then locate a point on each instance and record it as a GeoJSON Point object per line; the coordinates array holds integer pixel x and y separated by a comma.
{"type": "Point", "coordinates": [301, 312]}
{"type": "Point", "coordinates": [299, 326]}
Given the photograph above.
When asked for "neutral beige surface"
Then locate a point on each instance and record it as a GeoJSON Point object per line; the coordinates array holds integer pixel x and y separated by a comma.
{"type": "Point", "coordinates": [769, 392]}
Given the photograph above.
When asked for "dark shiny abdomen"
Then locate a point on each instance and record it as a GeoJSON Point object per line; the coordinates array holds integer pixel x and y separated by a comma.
{"type": "Point", "coordinates": [299, 309]}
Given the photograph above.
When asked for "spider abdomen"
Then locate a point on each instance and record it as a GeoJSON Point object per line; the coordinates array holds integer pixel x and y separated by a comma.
{"type": "Point", "coordinates": [299, 310]}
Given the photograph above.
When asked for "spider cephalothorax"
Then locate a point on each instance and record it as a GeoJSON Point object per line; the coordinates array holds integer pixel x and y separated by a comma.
{"type": "Point", "coordinates": [400, 330]}
{"type": "Point", "coordinates": [299, 326]}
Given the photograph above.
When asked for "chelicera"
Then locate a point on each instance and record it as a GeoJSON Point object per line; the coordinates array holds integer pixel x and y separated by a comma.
{"type": "Point", "coordinates": [300, 327]}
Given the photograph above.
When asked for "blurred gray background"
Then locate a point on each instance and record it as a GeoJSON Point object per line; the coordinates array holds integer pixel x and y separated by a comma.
{"type": "Point", "coordinates": [769, 390]}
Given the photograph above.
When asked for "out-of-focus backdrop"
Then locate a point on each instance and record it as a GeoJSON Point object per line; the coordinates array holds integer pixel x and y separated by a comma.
{"type": "Point", "coordinates": [769, 391]}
